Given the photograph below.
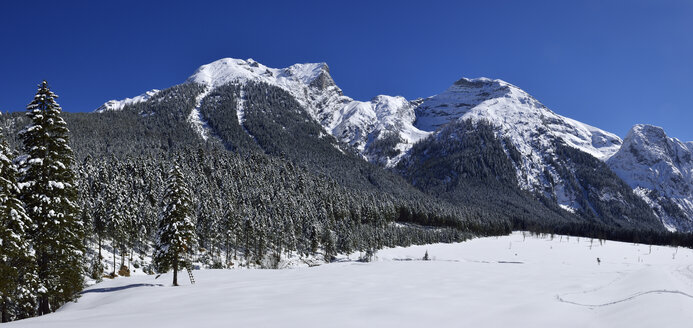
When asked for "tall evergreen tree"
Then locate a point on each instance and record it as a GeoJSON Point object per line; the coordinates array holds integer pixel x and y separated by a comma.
{"type": "Point", "coordinates": [49, 191]}
{"type": "Point", "coordinates": [176, 235]}
{"type": "Point", "coordinates": [17, 264]}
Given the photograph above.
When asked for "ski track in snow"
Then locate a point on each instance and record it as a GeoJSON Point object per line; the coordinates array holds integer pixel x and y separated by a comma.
{"type": "Point", "coordinates": [629, 298]}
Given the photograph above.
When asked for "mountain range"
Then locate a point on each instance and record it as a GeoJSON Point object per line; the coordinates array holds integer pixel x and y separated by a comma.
{"type": "Point", "coordinates": [473, 144]}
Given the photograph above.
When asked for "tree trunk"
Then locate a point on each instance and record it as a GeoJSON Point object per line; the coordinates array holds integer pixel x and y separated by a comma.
{"type": "Point", "coordinates": [44, 307]}
{"type": "Point", "coordinates": [122, 256]}
{"type": "Point", "coordinates": [114, 262]}
{"type": "Point", "coordinates": [5, 315]}
{"type": "Point", "coordinates": [228, 253]}
{"type": "Point", "coordinates": [175, 271]}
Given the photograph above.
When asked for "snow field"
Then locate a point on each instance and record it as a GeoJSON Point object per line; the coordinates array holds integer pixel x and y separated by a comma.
{"type": "Point", "coordinates": [506, 281]}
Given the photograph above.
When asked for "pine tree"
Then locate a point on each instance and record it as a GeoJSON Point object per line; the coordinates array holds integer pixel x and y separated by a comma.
{"type": "Point", "coordinates": [17, 264]}
{"type": "Point", "coordinates": [176, 235]}
{"type": "Point", "coordinates": [49, 192]}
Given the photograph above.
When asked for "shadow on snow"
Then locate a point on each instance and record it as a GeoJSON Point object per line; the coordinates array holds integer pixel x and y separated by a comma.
{"type": "Point", "coordinates": [115, 289]}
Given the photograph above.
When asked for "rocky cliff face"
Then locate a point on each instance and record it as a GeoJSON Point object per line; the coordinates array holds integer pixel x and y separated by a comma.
{"type": "Point", "coordinates": [660, 170]}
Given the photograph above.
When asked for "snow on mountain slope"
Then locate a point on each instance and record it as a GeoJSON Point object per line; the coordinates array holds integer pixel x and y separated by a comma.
{"type": "Point", "coordinates": [196, 119]}
{"type": "Point", "coordinates": [660, 169]}
{"type": "Point", "coordinates": [310, 83]}
{"type": "Point", "coordinates": [354, 122]}
{"type": "Point", "coordinates": [515, 111]}
{"type": "Point", "coordinates": [294, 78]}
{"type": "Point", "coordinates": [365, 124]}
{"type": "Point", "coordinates": [529, 125]}
{"type": "Point", "coordinates": [381, 129]}
{"type": "Point", "coordinates": [507, 281]}
{"type": "Point", "coordinates": [115, 105]}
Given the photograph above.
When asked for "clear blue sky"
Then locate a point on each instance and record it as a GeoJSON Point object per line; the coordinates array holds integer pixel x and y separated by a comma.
{"type": "Point", "coordinates": [611, 64]}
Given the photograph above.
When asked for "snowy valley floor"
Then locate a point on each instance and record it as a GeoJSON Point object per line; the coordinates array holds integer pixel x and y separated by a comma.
{"type": "Point", "coordinates": [489, 282]}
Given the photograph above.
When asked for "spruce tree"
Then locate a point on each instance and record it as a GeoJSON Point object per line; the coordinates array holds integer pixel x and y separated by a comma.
{"type": "Point", "coordinates": [17, 264]}
{"type": "Point", "coordinates": [49, 192]}
{"type": "Point", "coordinates": [176, 235]}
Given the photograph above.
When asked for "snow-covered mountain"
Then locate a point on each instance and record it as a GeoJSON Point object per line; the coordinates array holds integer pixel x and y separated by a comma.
{"type": "Point", "coordinates": [381, 130]}
{"type": "Point", "coordinates": [529, 125]}
{"type": "Point", "coordinates": [660, 170]}
{"type": "Point", "coordinates": [384, 129]}
{"type": "Point", "coordinates": [519, 115]}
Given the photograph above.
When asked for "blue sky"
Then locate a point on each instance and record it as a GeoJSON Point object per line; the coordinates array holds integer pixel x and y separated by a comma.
{"type": "Point", "coordinates": [611, 64]}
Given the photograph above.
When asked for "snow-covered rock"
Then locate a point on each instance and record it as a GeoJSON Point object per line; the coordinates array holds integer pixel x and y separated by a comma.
{"type": "Point", "coordinates": [517, 113]}
{"type": "Point", "coordinates": [650, 161]}
{"type": "Point", "coordinates": [354, 122]}
{"type": "Point", "coordinates": [363, 124]}
{"type": "Point", "coordinates": [529, 125]}
{"type": "Point", "coordinates": [360, 124]}
{"type": "Point", "coordinates": [311, 83]}
{"type": "Point", "coordinates": [115, 105]}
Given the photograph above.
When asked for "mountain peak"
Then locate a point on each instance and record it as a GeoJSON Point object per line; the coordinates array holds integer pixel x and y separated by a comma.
{"type": "Point", "coordinates": [228, 70]}
{"type": "Point", "coordinates": [529, 125]}
{"type": "Point", "coordinates": [478, 82]}
{"type": "Point", "coordinates": [647, 132]}
{"type": "Point", "coordinates": [648, 161]}
{"type": "Point", "coordinates": [650, 144]}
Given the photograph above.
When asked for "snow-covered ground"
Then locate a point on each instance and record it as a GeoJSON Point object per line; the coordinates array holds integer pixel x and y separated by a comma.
{"type": "Point", "coordinates": [511, 281]}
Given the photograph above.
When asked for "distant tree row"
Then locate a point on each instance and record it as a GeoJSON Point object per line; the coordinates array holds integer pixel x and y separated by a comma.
{"type": "Point", "coordinates": [254, 209]}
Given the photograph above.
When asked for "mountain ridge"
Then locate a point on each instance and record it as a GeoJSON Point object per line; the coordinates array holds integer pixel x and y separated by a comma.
{"type": "Point", "coordinates": [384, 129]}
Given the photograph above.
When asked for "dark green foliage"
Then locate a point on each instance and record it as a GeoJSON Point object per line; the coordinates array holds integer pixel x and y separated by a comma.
{"type": "Point", "coordinates": [259, 207]}
{"type": "Point", "coordinates": [18, 280]}
{"type": "Point", "coordinates": [466, 164]}
{"type": "Point", "coordinates": [281, 127]}
{"type": "Point", "coordinates": [49, 191]}
{"type": "Point", "coordinates": [602, 195]}
{"type": "Point", "coordinates": [219, 108]}
{"type": "Point", "coordinates": [176, 237]}
{"type": "Point", "coordinates": [151, 127]}
{"type": "Point", "coordinates": [461, 152]}
{"type": "Point", "coordinates": [382, 148]}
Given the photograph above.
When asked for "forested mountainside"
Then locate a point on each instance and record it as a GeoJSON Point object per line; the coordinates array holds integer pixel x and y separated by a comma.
{"type": "Point", "coordinates": [466, 163]}
{"type": "Point", "coordinates": [300, 114]}
{"type": "Point", "coordinates": [149, 138]}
